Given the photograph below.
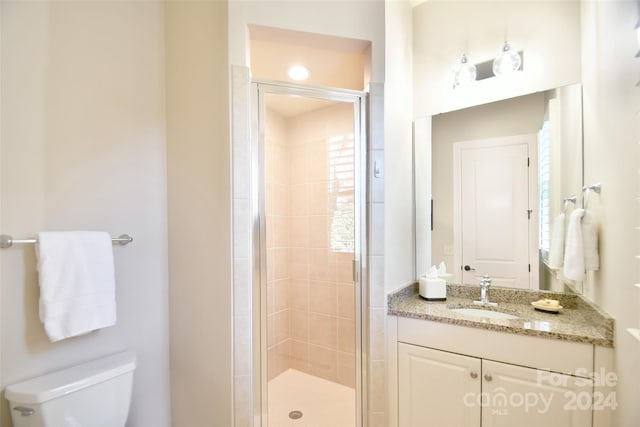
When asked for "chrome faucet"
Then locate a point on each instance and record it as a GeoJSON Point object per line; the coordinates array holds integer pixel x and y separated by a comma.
{"type": "Point", "coordinates": [485, 284]}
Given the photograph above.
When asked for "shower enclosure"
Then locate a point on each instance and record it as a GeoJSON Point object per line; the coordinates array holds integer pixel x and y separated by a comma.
{"type": "Point", "coordinates": [309, 148]}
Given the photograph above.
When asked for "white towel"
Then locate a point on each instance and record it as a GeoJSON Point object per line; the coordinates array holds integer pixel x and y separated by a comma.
{"type": "Point", "coordinates": [590, 242]}
{"type": "Point", "coordinates": [556, 248]}
{"type": "Point", "coordinates": [574, 248]}
{"type": "Point", "coordinates": [77, 282]}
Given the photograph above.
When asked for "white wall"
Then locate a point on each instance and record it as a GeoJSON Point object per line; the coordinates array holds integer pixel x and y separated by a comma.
{"type": "Point", "coordinates": [199, 193]}
{"type": "Point", "coordinates": [547, 31]}
{"type": "Point", "coordinates": [398, 153]}
{"type": "Point", "coordinates": [362, 20]}
{"type": "Point", "coordinates": [83, 147]}
{"type": "Point", "coordinates": [399, 266]}
{"type": "Point", "coordinates": [611, 126]}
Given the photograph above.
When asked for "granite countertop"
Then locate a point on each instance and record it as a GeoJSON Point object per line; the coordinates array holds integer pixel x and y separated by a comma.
{"type": "Point", "coordinates": [578, 321]}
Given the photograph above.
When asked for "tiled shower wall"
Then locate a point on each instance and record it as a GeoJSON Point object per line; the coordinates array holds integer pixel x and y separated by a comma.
{"type": "Point", "coordinates": [277, 206]}
{"type": "Point", "coordinates": [310, 243]}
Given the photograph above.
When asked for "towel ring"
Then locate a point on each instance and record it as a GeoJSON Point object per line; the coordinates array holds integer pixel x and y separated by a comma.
{"type": "Point", "coordinates": [596, 188]}
{"type": "Point", "coordinates": [571, 199]}
{"type": "Point", "coordinates": [587, 189]}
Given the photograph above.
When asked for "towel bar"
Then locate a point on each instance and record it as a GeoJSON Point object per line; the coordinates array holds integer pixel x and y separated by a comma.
{"type": "Point", "coordinates": [7, 241]}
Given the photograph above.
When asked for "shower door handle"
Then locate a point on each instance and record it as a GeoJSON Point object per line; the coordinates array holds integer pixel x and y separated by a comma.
{"type": "Point", "coordinates": [354, 268]}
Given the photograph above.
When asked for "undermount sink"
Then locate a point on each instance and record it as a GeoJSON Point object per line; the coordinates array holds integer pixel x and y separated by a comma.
{"type": "Point", "coordinates": [478, 312]}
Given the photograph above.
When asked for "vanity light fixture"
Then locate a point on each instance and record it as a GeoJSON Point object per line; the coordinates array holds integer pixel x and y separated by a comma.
{"type": "Point", "coordinates": [298, 72]}
{"type": "Point", "coordinates": [464, 73]}
{"type": "Point", "coordinates": [507, 61]}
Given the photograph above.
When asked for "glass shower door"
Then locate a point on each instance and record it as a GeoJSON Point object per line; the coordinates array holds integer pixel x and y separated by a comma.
{"type": "Point", "coordinates": [310, 297]}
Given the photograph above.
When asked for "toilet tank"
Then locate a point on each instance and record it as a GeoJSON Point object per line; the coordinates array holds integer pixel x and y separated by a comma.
{"type": "Point", "coordinates": [95, 394]}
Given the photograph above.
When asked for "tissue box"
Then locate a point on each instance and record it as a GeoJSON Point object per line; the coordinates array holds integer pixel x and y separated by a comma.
{"type": "Point", "coordinates": [446, 276]}
{"type": "Point", "coordinates": [432, 289]}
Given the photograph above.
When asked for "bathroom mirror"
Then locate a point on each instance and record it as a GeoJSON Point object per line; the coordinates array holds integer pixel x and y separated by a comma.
{"type": "Point", "coordinates": [489, 181]}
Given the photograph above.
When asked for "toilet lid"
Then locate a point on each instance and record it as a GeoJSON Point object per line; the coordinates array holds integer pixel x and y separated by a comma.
{"type": "Point", "coordinates": [59, 383]}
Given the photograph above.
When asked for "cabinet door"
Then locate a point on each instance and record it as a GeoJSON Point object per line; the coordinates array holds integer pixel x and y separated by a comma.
{"type": "Point", "coordinates": [526, 397]}
{"type": "Point", "coordinates": [433, 386]}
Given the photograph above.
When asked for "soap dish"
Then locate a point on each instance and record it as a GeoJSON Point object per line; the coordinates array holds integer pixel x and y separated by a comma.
{"type": "Point", "coordinates": [544, 307]}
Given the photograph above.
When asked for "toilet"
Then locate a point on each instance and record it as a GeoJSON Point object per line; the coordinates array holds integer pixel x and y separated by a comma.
{"type": "Point", "coordinates": [93, 394]}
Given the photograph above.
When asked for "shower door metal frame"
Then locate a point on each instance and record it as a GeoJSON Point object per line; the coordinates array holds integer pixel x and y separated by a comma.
{"type": "Point", "coordinates": [260, 88]}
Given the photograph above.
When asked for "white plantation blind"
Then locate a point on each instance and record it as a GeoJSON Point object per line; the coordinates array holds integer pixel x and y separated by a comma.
{"type": "Point", "coordinates": [544, 173]}
{"type": "Point", "coordinates": [342, 189]}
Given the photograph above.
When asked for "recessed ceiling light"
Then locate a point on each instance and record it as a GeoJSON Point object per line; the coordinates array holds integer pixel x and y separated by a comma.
{"type": "Point", "coordinates": [298, 72]}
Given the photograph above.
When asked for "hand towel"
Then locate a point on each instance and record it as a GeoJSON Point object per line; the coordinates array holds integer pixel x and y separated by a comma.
{"type": "Point", "coordinates": [590, 242]}
{"type": "Point", "coordinates": [556, 247]}
{"type": "Point", "coordinates": [574, 248]}
{"type": "Point", "coordinates": [77, 282]}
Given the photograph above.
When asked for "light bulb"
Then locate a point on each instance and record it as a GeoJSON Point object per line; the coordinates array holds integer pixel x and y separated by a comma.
{"type": "Point", "coordinates": [507, 61]}
{"type": "Point", "coordinates": [298, 72]}
{"type": "Point", "coordinates": [464, 73]}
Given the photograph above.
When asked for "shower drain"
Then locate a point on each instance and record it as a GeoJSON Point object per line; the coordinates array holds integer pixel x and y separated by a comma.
{"type": "Point", "coordinates": [295, 415]}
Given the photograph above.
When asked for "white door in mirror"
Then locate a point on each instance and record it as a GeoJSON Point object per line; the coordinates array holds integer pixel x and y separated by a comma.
{"type": "Point", "coordinates": [493, 191]}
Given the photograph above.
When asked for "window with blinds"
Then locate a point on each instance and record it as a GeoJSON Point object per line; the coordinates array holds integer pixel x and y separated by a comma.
{"type": "Point", "coordinates": [342, 190]}
{"type": "Point", "coordinates": [544, 186]}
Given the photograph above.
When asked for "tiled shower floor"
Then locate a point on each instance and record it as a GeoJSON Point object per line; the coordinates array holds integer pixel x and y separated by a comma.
{"type": "Point", "coordinates": [322, 403]}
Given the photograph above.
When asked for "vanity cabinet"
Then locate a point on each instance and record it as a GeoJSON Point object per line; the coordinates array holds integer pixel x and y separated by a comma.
{"type": "Point", "coordinates": [443, 389]}
{"type": "Point", "coordinates": [455, 376]}
{"type": "Point", "coordinates": [432, 385]}
{"type": "Point", "coordinates": [527, 397]}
